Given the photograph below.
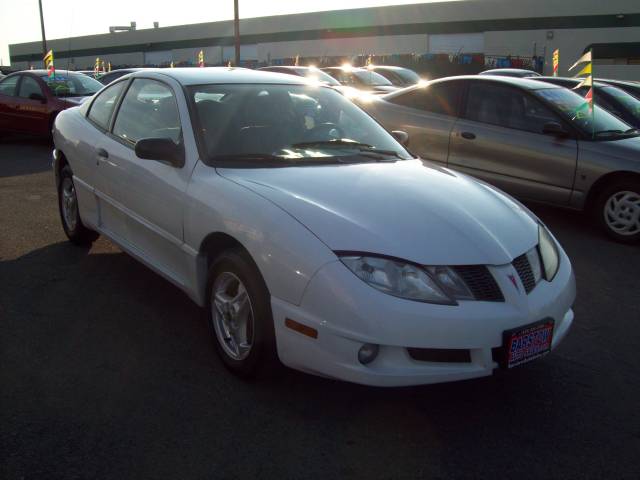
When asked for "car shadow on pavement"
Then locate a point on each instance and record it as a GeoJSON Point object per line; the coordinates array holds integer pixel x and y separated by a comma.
{"type": "Point", "coordinates": [24, 155]}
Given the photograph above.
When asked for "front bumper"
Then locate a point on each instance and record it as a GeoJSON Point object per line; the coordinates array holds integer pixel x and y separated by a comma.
{"type": "Point", "coordinates": [348, 313]}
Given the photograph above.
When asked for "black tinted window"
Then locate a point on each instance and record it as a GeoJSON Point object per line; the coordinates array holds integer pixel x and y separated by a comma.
{"type": "Point", "coordinates": [507, 107]}
{"type": "Point", "coordinates": [149, 110]}
{"type": "Point", "coordinates": [439, 98]}
{"type": "Point", "coordinates": [8, 85]}
{"type": "Point", "coordinates": [29, 86]}
{"type": "Point", "coordinates": [103, 105]}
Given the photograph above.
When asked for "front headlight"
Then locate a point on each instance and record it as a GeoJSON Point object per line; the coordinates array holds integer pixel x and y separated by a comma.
{"type": "Point", "coordinates": [403, 279]}
{"type": "Point", "coordinates": [548, 253]}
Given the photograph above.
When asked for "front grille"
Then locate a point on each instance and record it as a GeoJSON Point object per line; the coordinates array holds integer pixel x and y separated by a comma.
{"type": "Point", "coordinates": [481, 283]}
{"type": "Point", "coordinates": [444, 355]}
{"type": "Point", "coordinates": [523, 267]}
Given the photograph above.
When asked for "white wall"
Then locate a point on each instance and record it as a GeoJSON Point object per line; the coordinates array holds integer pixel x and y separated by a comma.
{"type": "Point", "coordinates": [457, 42]}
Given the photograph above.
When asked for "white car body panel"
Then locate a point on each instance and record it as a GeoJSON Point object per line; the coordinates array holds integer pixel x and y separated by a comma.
{"type": "Point", "coordinates": [291, 220]}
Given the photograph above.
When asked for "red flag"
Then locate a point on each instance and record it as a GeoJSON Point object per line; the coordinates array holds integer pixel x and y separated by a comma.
{"type": "Point", "coordinates": [589, 98]}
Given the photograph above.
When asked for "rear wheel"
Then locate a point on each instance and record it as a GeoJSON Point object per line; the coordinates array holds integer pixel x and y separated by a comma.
{"type": "Point", "coordinates": [239, 315]}
{"type": "Point", "coordinates": [617, 210]}
{"type": "Point", "coordinates": [69, 213]}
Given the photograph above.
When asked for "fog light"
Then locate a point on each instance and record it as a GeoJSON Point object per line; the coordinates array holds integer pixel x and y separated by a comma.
{"type": "Point", "coordinates": [367, 353]}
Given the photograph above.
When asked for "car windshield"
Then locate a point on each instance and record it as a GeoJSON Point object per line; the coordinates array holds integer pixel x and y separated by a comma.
{"type": "Point", "coordinates": [409, 77]}
{"type": "Point", "coordinates": [291, 123]}
{"type": "Point", "coordinates": [597, 122]}
{"type": "Point", "coordinates": [71, 84]}
{"type": "Point", "coordinates": [319, 76]}
{"type": "Point", "coordinates": [630, 103]}
{"type": "Point", "coordinates": [369, 77]}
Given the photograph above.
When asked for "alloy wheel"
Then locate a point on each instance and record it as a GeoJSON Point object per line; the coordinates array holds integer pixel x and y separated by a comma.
{"type": "Point", "coordinates": [622, 213]}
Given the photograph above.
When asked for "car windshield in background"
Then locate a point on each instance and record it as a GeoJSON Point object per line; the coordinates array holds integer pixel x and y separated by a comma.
{"type": "Point", "coordinates": [631, 103]}
{"type": "Point", "coordinates": [369, 77]}
{"type": "Point", "coordinates": [320, 76]}
{"type": "Point", "coordinates": [409, 77]}
{"type": "Point", "coordinates": [599, 122]}
{"type": "Point", "coordinates": [289, 124]}
{"type": "Point", "coordinates": [72, 85]}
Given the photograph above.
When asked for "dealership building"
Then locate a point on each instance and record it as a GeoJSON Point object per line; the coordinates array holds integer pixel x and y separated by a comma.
{"type": "Point", "coordinates": [495, 32]}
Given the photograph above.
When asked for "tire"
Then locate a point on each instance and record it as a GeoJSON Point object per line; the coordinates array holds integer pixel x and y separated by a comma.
{"type": "Point", "coordinates": [242, 330]}
{"type": "Point", "coordinates": [69, 213]}
{"type": "Point", "coordinates": [617, 210]}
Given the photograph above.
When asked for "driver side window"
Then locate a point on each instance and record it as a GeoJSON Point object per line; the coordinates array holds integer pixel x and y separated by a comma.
{"type": "Point", "coordinates": [148, 110]}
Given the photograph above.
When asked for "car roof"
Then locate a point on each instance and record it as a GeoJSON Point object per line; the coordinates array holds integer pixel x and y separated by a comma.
{"type": "Point", "coordinates": [387, 67]}
{"type": "Point", "coordinates": [42, 71]}
{"type": "Point", "coordinates": [573, 81]}
{"type": "Point", "coordinates": [199, 76]}
{"type": "Point", "coordinates": [496, 70]}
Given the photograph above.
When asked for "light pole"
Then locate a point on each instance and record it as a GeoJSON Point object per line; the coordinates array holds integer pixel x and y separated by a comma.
{"type": "Point", "coordinates": [44, 38]}
{"type": "Point", "coordinates": [236, 28]}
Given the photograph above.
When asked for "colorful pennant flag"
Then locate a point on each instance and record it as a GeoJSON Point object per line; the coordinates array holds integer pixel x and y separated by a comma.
{"type": "Point", "coordinates": [201, 58]}
{"type": "Point", "coordinates": [297, 61]}
{"type": "Point", "coordinates": [585, 71]}
{"type": "Point", "coordinates": [48, 64]}
{"type": "Point", "coordinates": [171, 64]}
{"type": "Point", "coordinates": [583, 59]}
{"type": "Point", "coordinates": [109, 67]}
{"type": "Point", "coordinates": [556, 61]}
{"type": "Point", "coordinates": [588, 81]}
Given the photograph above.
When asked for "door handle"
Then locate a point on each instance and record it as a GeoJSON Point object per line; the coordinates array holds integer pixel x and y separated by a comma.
{"type": "Point", "coordinates": [468, 135]}
{"type": "Point", "coordinates": [102, 153]}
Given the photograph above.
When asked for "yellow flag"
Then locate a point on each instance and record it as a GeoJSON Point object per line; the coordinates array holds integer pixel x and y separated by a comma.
{"type": "Point", "coordinates": [585, 71]}
{"type": "Point", "coordinates": [48, 59]}
{"type": "Point", "coordinates": [556, 61]}
{"type": "Point", "coordinates": [171, 63]}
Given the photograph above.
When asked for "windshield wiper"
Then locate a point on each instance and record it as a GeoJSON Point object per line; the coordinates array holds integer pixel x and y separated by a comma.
{"type": "Point", "coordinates": [612, 133]}
{"type": "Point", "coordinates": [340, 143]}
{"type": "Point", "coordinates": [267, 159]}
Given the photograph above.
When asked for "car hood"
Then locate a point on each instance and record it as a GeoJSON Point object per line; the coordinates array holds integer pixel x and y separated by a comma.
{"type": "Point", "coordinates": [626, 148]}
{"type": "Point", "coordinates": [408, 209]}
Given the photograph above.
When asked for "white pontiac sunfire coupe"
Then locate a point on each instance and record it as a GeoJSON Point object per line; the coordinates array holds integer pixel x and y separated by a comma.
{"type": "Point", "coordinates": [308, 232]}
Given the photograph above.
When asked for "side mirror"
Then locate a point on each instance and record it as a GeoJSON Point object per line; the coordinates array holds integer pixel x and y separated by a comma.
{"type": "Point", "coordinates": [161, 150]}
{"type": "Point", "coordinates": [401, 136]}
{"type": "Point", "coordinates": [38, 96]}
{"type": "Point", "coordinates": [554, 128]}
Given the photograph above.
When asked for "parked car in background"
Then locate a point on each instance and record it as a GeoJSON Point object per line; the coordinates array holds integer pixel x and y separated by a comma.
{"type": "Point", "coordinates": [362, 79]}
{"type": "Point", "coordinates": [534, 140]}
{"type": "Point", "coordinates": [613, 99]}
{"type": "Point", "coordinates": [398, 76]}
{"type": "Point", "coordinates": [30, 100]}
{"type": "Point", "coordinates": [273, 202]}
{"type": "Point", "coordinates": [510, 72]}
{"type": "Point", "coordinates": [311, 73]}
{"type": "Point", "coordinates": [109, 77]}
{"type": "Point", "coordinates": [632, 88]}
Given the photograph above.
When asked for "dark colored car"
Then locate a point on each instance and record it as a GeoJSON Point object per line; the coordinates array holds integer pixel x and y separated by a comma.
{"type": "Point", "coordinates": [361, 78]}
{"type": "Point", "coordinates": [109, 77]}
{"type": "Point", "coordinates": [30, 100]}
{"type": "Point", "coordinates": [399, 76]}
{"type": "Point", "coordinates": [632, 88]}
{"type": "Point", "coordinates": [511, 72]}
{"type": "Point", "coordinates": [312, 73]}
{"type": "Point", "coordinates": [613, 99]}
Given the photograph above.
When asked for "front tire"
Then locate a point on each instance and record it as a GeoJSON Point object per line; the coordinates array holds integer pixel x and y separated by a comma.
{"type": "Point", "coordinates": [617, 211]}
{"type": "Point", "coordinates": [69, 213]}
{"type": "Point", "coordinates": [239, 315]}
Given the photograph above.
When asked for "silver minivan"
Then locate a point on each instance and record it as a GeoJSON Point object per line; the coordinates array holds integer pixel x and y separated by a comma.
{"type": "Point", "coordinates": [536, 141]}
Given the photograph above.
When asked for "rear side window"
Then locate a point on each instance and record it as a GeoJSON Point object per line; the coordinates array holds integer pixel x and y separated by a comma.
{"type": "Point", "coordinates": [506, 107]}
{"type": "Point", "coordinates": [29, 86]}
{"type": "Point", "coordinates": [103, 105]}
{"type": "Point", "coordinates": [149, 110]}
{"type": "Point", "coordinates": [8, 85]}
{"type": "Point", "coordinates": [441, 98]}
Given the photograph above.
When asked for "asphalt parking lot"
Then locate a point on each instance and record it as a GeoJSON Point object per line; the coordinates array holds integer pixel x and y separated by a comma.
{"type": "Point", "coordinates": [107, 371]}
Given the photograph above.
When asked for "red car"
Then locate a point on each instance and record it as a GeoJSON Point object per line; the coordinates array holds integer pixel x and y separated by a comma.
{"type": "Point", "coordinates": [30, 100]}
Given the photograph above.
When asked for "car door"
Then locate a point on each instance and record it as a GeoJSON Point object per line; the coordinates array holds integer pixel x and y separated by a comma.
{"type": "Point", "coordinates": [9, 102]}
{"type": "Point", "coordinates": [500, 139]}
{"type": "Point", "coordinates": [427, 114]}
{"type": "Point", "coordinates": [32, 107]}
{"type": "Point", "coordinates": [152, 192]}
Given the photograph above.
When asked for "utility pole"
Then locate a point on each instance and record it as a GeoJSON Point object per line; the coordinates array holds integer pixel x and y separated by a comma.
{"type": "Point", "coordinates": [44, 38]}
{"type": "Point", "coordinates": [236, 27]}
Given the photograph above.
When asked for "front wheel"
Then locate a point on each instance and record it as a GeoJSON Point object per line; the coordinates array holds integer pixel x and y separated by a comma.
{"type": "Point", "coordinates": [239, 314]}
{"type": "Point", "coordinates": [69, 214]}
{"type": "Point", "coordinates": [617, 210]}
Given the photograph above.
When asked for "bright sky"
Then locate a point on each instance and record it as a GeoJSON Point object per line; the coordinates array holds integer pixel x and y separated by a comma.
{"type": "Point", "coordinates": [20, 22]}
